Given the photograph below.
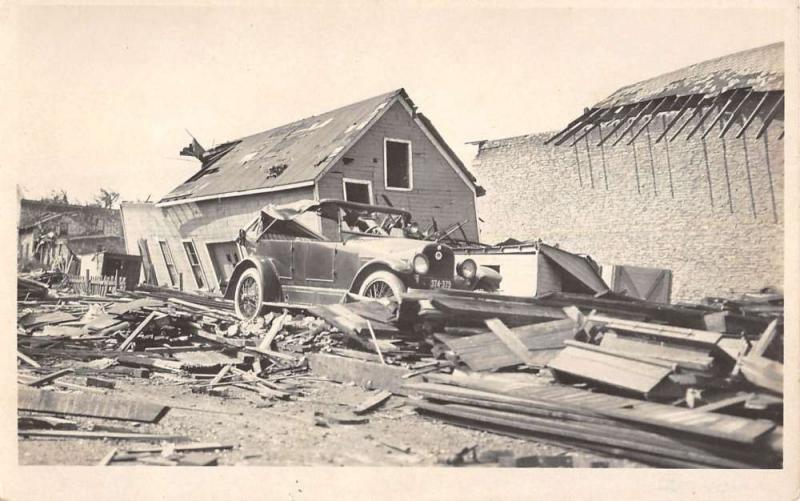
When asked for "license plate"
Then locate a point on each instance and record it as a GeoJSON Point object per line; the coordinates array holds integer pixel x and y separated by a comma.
{"type": "Point", "coordinates": [441, 284]}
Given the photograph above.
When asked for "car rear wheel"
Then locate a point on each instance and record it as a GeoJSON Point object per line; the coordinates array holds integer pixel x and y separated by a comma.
{"type": "Point", "coordinates": [249, 295]}
{"type": "Point", "coordinates": [382, 284]}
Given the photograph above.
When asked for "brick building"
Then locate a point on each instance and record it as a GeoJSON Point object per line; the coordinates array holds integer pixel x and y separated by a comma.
{"type": "Point", "coordinates": [55, 235]}
{"type": "Point", "coordinates": [704, 199]}
{"type": "Point", "coordinates": [380, 150]}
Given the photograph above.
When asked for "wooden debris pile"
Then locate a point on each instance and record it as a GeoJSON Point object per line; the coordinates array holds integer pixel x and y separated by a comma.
{"type": "Point", "coordinates": [668, 385]}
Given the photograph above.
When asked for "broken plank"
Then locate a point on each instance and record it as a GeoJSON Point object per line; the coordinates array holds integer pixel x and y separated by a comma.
{"type": "Point", "coordinates": [51, 402]}
{"type": "Point", "coordinates": [138, 330]}
{"type": "Point", "coordinates": [367, 374]}
{"type": "Point", "coordinates": [483, 352]}
{"type": "Point", "coordinates": [102, 435]}
{"type": "Point", "coordinates": [274, 328]}
{"type": "Point", "coordinates": [464, 309]}
{"type": "Point", "coordinates": [28, 360]}
{"type": "Point", "coordinates": [108, 458]}
{"type": "Point", "coordinates": [198, 459]}
{"type": "Point", "coordinates": [196, 447]}
{"type": "Point", "coordinates": [593, 363]}
{"type": "Point", "coordinates": [373, 402]}
{"type": "Point", "coordinates": [509, 339]}
{"type": "Point", "coordinates": [49, 377]}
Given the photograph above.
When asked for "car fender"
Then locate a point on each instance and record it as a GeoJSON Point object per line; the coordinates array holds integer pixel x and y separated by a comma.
{"type": "Point", "coordinates": [269, 278]}
{"type": "Point", "coordinates": [488, 278]}
{"type": "Point", "coordinates": [398, 266]}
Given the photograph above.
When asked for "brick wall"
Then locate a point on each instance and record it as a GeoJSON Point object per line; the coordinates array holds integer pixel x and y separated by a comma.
{"type": "Point", "coordinates": [438, 191]}
{"type": "Point", "coordinates": [711, 210]}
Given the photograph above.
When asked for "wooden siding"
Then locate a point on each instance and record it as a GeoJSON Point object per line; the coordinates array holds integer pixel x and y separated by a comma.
{"type": "Point", "coordinates": [438, 191]}
{"type": "Point", "coordinates": [201, 222]}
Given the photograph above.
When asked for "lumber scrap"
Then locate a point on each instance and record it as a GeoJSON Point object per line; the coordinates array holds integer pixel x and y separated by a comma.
{"type": "Point", "coordinates": [48, 378]}
{"type": "Point", "coordinates": [600, 365]}
{"type": "Point", "coordinates": [666, 333]}
{"type": "Point", "coordinates": [512, 342]}
{"type": "Point", "coordinates": [483, 352]}
{"type": "Point", "coordinates": [28, 360]}
{"type": "Point", "coordinates": [692, 421]}
{"type": "Point", "coordinates": [591, 433]}
{"type": "Point", "coordinates": [195, 447]}
{"type": "Point", "coordinates": [369, 375]}
{"type": "Point", "coordinates": [101, 435]}
{"type": "Point", "coordinates": [29, 399]}
{"type": "Point", "coordinates": [688, 357]}
{"type": "Point", "coordinates": [138, 330]}
{"type": "Point", "coordinates": [511, 313]}
{"type": "Point", "coordinates": [373, 402]}
{"type": "Point", "coordinates": [274, 328]}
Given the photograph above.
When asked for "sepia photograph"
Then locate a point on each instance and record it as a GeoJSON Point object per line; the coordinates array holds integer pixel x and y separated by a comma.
{"type": "Point", "coordinates": [432, 236]}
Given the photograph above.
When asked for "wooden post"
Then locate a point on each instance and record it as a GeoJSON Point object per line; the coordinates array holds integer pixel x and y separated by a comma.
{"type": "Point", "coordinates": [88, 282]}
{"type": "Point", "coordinates": [180, 281]}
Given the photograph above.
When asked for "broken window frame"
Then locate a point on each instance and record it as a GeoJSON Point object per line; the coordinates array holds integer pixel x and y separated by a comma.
{"type": "Point", "coordinates": [410, 165]}
{"type": "Point", "coordinates": [362, 182]}
{"type": "Point", "coordinates": [197, 268]}
{"type": "Point", "coordinates": [169, 263]}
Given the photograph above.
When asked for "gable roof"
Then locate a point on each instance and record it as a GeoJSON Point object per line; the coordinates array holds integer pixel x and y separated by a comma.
{"type": "Point", "coordinates": [760, 68]}
{"type": "Point", "coordinates": [290, 156]}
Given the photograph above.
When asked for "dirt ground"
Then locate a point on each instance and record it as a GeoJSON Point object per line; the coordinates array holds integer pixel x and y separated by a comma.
{"type": "Point", "coordinates": [284, 433]}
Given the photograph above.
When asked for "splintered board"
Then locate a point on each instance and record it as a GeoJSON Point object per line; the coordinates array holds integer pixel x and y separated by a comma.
{"type": "Point", "coordinates": [486, 351]}
{"type": "Point", "coordinates": [89, 405]}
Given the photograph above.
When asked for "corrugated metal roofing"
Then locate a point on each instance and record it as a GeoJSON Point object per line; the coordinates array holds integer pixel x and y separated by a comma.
{"type": "Point", "coordinates": [760, 68]}
{"type": "Point", "coordinates": [289, 154]}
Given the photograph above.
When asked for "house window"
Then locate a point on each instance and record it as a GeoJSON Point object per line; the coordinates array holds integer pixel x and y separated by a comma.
{"type": "Point", "coordinates": [194, 262]}
{"type": "Point", "coordinates": [173, 273]}
{"type": "Point", "coordinates": [357, 190]}
{"type": "Point", "coordinates": [397, 168]}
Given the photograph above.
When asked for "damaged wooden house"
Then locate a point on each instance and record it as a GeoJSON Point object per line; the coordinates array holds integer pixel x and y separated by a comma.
{"type": "Point", "coordinates": [380, 151]}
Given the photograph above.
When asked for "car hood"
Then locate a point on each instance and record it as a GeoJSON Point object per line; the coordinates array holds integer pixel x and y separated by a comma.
{"type": "Point", "coordinates": [389, 247]}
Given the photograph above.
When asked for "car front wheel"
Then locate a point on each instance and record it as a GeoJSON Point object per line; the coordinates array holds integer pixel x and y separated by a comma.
{"type": "Point", "coordinates": [249, 295]}
{"type": "Point", "coordinates": [382, 284]}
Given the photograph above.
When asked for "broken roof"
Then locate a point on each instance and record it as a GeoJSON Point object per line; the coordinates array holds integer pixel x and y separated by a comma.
{"type": "Point", "coordinates": [760, 68]}
{"type": "Point", "coordinates": [289, 156]}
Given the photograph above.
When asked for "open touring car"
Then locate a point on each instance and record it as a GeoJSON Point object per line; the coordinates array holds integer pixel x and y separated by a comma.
{"type": "Point", "coordinates": [379, 252]}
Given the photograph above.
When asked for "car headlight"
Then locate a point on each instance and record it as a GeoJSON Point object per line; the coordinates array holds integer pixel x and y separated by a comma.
{"type": "Point", "coordinates": [420, 264]}
{"type": "Point", "coordinates": [467, 268]}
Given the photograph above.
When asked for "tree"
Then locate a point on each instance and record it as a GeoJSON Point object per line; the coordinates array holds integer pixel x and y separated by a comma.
{"type": "Point", "coordinates": [106, 198]}
{"type": "Point", "coordinates": [57, 197]}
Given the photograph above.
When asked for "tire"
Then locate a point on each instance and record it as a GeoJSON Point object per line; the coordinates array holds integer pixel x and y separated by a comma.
{"type": "Point", "coordinates": [249, 294]}
{"type": "Point", "coordinates": [382, 284]}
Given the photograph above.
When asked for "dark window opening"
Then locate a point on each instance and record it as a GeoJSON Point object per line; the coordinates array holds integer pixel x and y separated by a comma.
{"type": "Point", "coordinates": [398, 165]}
{"type": "Point", "coordinates": [194, 262]}
{"type": "Point", "coordinates": [357, 192]}
{"type": "Point", "coordinates": [173, 273]}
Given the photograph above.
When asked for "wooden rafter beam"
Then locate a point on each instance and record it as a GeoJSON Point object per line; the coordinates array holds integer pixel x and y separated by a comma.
{"type": "Point", "coordinates": [651, 117]}
{"type": "Point", "coordinates": [577, 129]}
{"type": "Point", "coordinates": [728, 103]}
{"type": "Point", "coordinates": [634, 121]}
{"type": "Point", "coordinates": [736, 110]}
{"type": "Point", "coordinates": [698, 107]}
{"type": "Point", "coordinates": [752, 116]}
{"type": "Point", "coordinates": [596, 124]}
{"type": "Point", "coordinates": [770, 116]}
{"type": "Point", "coordinates": [703, 117]}
{"type": "Point", "coordinates": [624, 116]}
{"type": "Point", "coordinates": [570, 126]}
{"type": "Point", "coordinates": [677, 117]}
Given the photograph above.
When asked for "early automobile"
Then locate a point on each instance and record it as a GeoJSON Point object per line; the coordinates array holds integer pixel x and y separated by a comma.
{"type": "Point", "coordinates": [378, 252]}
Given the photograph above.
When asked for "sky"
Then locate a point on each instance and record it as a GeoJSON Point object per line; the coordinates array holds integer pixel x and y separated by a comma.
{"type": "Point", "coordinates": [103, 95]}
